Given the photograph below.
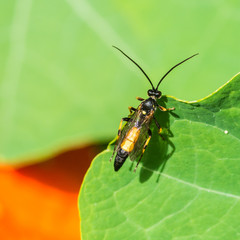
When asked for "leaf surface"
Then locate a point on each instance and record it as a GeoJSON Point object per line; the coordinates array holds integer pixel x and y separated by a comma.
{"type": "Point", "coordinates": [186, 187]}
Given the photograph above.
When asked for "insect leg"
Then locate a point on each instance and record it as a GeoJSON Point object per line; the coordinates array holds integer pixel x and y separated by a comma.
{"type": "Point", "coordinates": [165, 109]}
{"type": "Point", "coordinates": [144, 147]}
{"type": "Point", "coordinates": [140, 99]}
{"type": "Point", "coordinates": [119, 133]}
{"type": "Point", "coordinates": [120, 125]}
{"type": "Point", "coordinates": [159, 128]}
{"type": "Point", "coordinates": [132, 109]}
{"type": "Point", "coordinates": [157, 124]}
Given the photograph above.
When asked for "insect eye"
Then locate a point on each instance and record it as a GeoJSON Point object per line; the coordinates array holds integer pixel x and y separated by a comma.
{"type": "Point", "coordinates": [158, 94]}
{"type": "Point", "coordinates": [150, 92]}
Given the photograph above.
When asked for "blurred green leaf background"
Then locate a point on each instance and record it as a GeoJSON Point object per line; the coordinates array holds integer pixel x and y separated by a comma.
{"type": "Point", "coordinates": [63, 85]}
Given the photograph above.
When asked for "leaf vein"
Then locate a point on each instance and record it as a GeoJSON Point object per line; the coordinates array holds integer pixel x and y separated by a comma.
{"type": "Point", "coordinates": [199, 187]}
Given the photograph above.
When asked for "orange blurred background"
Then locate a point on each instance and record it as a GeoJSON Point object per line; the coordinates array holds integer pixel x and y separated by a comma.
{"type": "Point", "coordinates": [40, 201]}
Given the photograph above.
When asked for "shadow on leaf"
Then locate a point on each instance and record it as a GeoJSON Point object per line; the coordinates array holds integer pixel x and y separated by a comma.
{"type": "Point", "coordinates": [160, 149]}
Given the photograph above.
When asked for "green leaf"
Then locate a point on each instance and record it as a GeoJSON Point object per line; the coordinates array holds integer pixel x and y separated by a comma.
{"type": "Point", "coordinates": [63, 85]}
{"type": "Point", "coordinates": [187, 187]}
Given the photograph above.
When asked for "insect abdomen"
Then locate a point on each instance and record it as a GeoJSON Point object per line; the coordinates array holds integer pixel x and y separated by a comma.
{"type": "Point", "coordinates": [126, 147]}
{"type": "Point", "coordinates": [130, 139]}
{"type": "Point", "coordinates": [120, 159]}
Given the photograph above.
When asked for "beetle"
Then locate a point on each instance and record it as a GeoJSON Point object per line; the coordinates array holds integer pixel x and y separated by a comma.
{"type": "Point", "coordinates": [134, 136]}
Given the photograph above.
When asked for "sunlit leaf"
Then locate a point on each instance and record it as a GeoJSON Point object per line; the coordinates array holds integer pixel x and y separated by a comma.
{"type": "Point", "coordinates": [187, 187]}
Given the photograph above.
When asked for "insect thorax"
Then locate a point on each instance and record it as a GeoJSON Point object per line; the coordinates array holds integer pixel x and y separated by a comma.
{"type": "Point", "coordinates": [149, 105]}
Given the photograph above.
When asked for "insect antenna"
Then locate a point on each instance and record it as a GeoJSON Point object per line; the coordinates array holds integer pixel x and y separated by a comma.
{"type": "Point", "coordinates": [136, 65]}
{"type": "Point", "coordinates": [173, 68]}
